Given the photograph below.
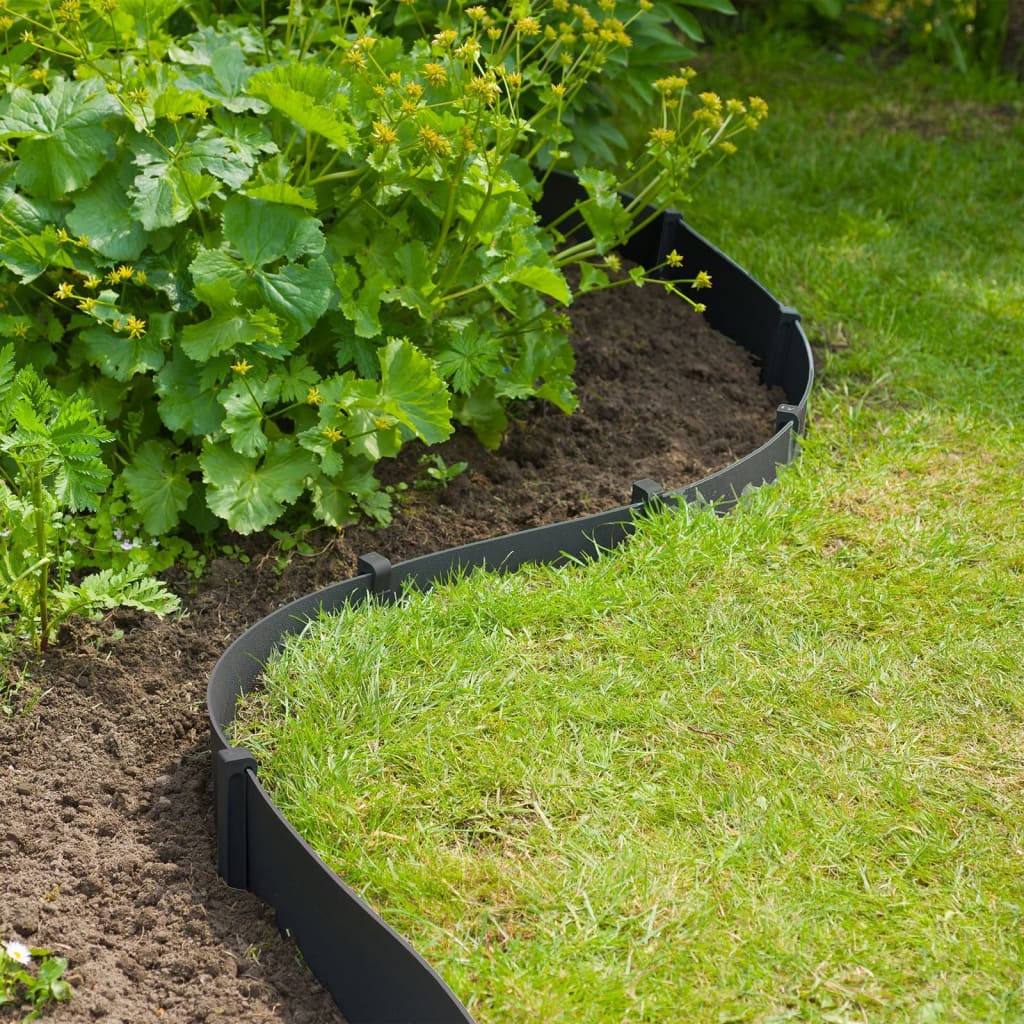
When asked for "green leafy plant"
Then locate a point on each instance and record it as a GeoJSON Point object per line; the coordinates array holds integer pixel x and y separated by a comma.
{"type": "Point", "coordinates": [277, 245]}
{"type": "Point", "coordinates": [50, 468]}
{"type": "Point", "coordinates": [963, 33]}
{"type": "Point", "coordinates": [23, 983]}
{"type": "Point", "coordinates": [438, 472]}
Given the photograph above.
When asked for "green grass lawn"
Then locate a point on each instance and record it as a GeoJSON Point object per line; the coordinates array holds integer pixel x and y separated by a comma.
{"type": "Point", "coordinates": [766, 767]}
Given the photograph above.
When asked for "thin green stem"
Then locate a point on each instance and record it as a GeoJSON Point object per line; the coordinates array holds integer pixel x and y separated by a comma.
{"type": "Point", "coordinates": [43, 578]}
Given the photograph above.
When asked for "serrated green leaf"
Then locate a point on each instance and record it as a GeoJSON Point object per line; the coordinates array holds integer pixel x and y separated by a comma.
{"type": "Point", "coordinates": [225, 332]}
{"type": "Point", "coordinates": [224, 80]}
{"type": "Point", "coordinates": [546, 280]}
{"type": "Point", "coordinates": [101, 215]}
{"type": "Point", "coordinates": [360, 299]}
{"type": "Point", "coordinates": [603, 211]}
{"type": "Point", "coordinates": [262, 232]}
{"type": "Point", "coordinates": [158, 486]}
{"type": "Point", "coordinates": [60, 439]}
{"type": "Point", "coordinates": [130, 587]}
{"type": "Point", "coordinates": [592, 277]}
{"type": "Point", "coordinates": [338, 498]}
{"type": "Point", "coordinates": [369, 431]}
{"type": "Point", "coordinates": [314, 440]}
{"type": "Point", "coordinates": [186, 402]}
{"type": "Point", "coordinates": [544, 369]}
{"type": "Point", "coordinates": [120, 356]}
{"type": "Point", "coordinates": [244, 403]}
{"type": "Point", "coordinates": [483, 414]}
{"type": "Point", "coordinates": [173, 180]}
{"type": "Point", "coordinates": [249, 494]}
{"type": "Point", "coordinates": [411, 265]}
{"type": "Point", "coordinates": [412, 392]}
{"type": "Point", "coordinates": [162, 196]}
{"type": "Point", "coordinates": [28, 241]}
{"type": "Point", "coordinates": [7, 392]}
{"type": "Point", "coordinates": [311, 95]}
{"type": "Point", "coordinates": [283, 193]}
{"type": "Point", "coordinates": [468, 356]}
{"type": "Point", "coordinates": [65, 140]}
{"type": "Point", "coordinates": [296, 379]}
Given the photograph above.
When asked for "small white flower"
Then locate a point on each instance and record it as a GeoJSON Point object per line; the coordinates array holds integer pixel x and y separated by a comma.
{"type": "Point", "coordinates": [18, 952]}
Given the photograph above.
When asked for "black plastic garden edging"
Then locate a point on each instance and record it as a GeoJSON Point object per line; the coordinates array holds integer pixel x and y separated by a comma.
{"type": "Point", "coordinates": [373, 973]}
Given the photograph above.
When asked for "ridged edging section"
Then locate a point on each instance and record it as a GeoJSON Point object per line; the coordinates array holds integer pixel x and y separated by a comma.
{"type": "Point", "coordinates": [373, 973]}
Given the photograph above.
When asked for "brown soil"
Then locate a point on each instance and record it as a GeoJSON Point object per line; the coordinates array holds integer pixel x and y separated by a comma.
{"type": "Point", "coordinates": [106, 826]}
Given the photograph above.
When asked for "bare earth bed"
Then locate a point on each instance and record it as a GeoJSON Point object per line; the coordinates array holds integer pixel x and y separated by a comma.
{"type": "Point", "coordinates": [106, 823]}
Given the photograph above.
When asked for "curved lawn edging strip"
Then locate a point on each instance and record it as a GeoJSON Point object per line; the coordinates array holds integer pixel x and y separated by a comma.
{"type": "Point", "coordinates": [373, 973]}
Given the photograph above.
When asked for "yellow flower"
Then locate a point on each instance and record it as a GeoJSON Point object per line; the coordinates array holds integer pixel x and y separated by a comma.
{"type": "Point", "coordinates": [527, 27]}
{"type": "Point", "coordinates": [242, 367]}
{"type": "Point", "coordinates": [92, 281]}
{"type": "Point", "coordinates": [119, 274]}
{"type": "Point", "coordinates": [65, 290]}
{"type": "Point", "coordinates": [699, 307]}
{"type": "Point", "coordinates": [483, 88]}
{"type": "Point", "coordinates": [434, 142]}
{"type": "Point", "coordinates": [313, 396]}
{"type": "Point", "coordinates": [477, 13]}
{"type": "Point", "coordinates": [673, 259]}
{"type": "Point", "coordinates": [70, 11]}
{"type": "Point", "coordinates": [62, 235]}
{"type": "Point", "coordinates": [87, 304]}
{"type": "Point", "coordinates": [384, 135]}
{"type": "Point", "coordinates": [712, 101]}
{"type": "Point", "coordinates": [332, 434]}
{"type": "Point", "coordinates": [663, 136]}
{"type": "Point", "coordinates": [613, 31]}
{"type": "Point", "coordinates": [435, 73]}
{"type": "Point", "coordinates": [702, 280]}
{"type": "Point", "coordinates": [354, 57]}
{"type": "Point", "coordinates": [136, 328]}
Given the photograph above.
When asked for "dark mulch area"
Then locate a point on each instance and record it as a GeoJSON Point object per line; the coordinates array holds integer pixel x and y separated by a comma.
{"type": "Point", "coordinates": [106, 823]}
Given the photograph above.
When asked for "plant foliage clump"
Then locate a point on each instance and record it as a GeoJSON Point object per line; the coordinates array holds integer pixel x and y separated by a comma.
{"type": "Point", "coordinates": [274, 245]}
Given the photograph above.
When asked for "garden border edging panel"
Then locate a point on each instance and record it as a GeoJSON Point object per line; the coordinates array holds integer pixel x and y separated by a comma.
{"type": "Point", "coordinates": [374, 973]}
